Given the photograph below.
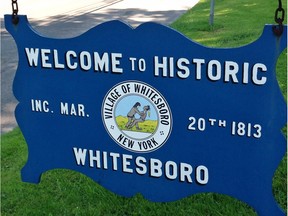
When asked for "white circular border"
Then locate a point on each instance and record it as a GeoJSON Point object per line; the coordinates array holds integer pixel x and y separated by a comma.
{"type": "Point", "coordinates": [161, 134]}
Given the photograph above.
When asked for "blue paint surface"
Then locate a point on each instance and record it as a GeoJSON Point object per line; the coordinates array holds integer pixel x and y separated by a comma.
{"type": "Point", "coordinates": [223, 107]}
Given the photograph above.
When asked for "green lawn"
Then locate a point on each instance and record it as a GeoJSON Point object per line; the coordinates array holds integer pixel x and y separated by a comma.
{"type": "Point", "coordinates": [64, 192]}
{"type": "Point", "coordinates": [148, 126]}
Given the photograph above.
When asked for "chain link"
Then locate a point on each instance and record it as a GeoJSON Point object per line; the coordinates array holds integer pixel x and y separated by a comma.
{"type": "Point", "coordinates": [279, 18]}
{"type": "Point", "coordinates": [279, 14]}
{"type": "Point", "coordinates": [15, 18]}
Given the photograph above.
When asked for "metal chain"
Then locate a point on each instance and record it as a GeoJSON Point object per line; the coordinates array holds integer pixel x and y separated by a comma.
{"type": "Point", "coordinates": [15, 18]}
{"type": "Point", "coordinates": [279, 18]}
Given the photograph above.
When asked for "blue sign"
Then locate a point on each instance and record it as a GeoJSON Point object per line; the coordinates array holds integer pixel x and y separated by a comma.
{"type": "Point", "coordinates": [153, 110]}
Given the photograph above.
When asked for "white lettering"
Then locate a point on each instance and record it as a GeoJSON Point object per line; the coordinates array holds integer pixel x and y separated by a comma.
{"type": "Point", "coordinates": [211, 75]}
{"type": "Point", "coordinates": [126, 162]}
{"type": "Point", "coordinates": [56, 60]}
{"type": "Point", "coordinates": [80, 155]}
{"type": "Point", "coordinates": [162, 66]}
{"type": "Point", "coordinates": [255, 71]}
{"type": "Point", "coordinates": [214, 70]}
{"type": "Point", "coordinates": [198, 63]}
{"type": "Point", "coordinates": [245, 73]}
{"type": "Point", "coordinates": [69, 55]}
{"type": "Point", "coordinates": [105, 161]}
{"type": "Point", "coordinates": [171, 170]}
{"type": "Point", "coordinates": [94, 158]}
{"type": "Point", "coordinates": [116, 62]}
{"type": "Point", "coordinates": [114, 156]}
{"type": "Point", "coordinates": [231, 69]}
{"type": "Point", "coordinates": [101, 64]}
{"type": "Point", "coordinates": [45, 58]}
{"type": "Point", "coordinates": [141, 167]}
{"type": "Point", "coordinates": [85, 60]}
{"type": "Point", "coordinates": [185, 172]}
{"type": "Point", "coordinates": [202, 175]}
{"type": "Point", "coordinates": [155, 168]}
{"type": "Point", "coordinates": [184, 70]}
{"type": "Point", "coordinates": [32, 55]}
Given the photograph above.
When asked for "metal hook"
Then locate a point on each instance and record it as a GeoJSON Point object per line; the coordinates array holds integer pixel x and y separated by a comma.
{"type": "Point", "coordinates": [15, 18]}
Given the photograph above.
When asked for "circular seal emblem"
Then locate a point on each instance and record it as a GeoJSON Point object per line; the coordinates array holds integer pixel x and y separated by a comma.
{"type": "Point", "coordinates": [137, 116]}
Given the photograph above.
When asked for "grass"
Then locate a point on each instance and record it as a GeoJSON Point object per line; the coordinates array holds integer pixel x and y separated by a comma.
{"type": "Point", "coordinates": [64, 192]}
{"type": "Point", "coordinates": [235, 23]}
{"type": "Point", "coordinates": [148, 126]}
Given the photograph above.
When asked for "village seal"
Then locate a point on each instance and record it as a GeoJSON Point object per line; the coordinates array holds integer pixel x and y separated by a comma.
{"type": "Point", "coordinates": [137, 116]}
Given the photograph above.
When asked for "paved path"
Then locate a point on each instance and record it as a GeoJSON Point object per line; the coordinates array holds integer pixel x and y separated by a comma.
{"type": "Point", "coordinates": [66, 18]}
